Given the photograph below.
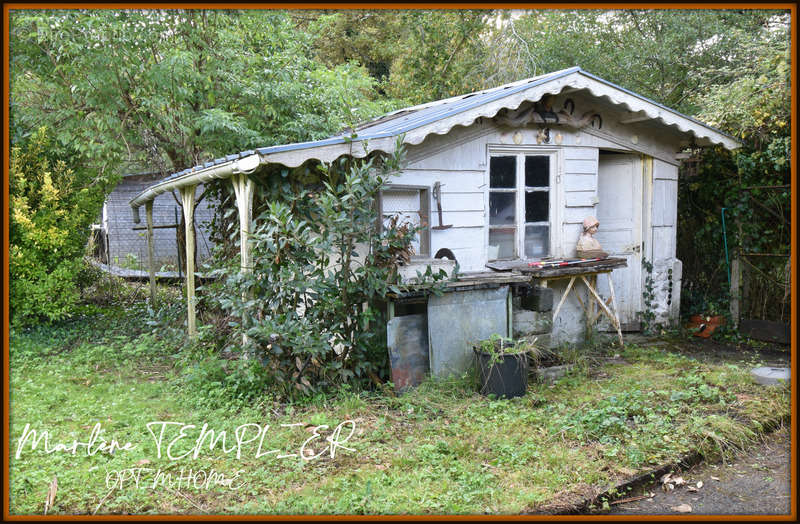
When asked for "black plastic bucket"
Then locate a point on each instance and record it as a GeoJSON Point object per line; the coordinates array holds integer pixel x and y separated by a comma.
{"type": "Point", "coordinates": [507, 378]}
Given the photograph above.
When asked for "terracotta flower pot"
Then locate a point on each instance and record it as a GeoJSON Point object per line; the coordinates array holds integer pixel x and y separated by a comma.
{"type": "Point", "coordinates": [705, 324]}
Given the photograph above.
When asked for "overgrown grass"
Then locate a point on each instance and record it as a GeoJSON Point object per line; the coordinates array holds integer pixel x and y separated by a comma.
{"type": "Point", "coordinates": [440, 448]}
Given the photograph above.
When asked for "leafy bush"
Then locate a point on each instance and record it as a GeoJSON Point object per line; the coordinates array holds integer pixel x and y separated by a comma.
{"type": "Point", "coordinates": [51, 208]}
{"type": "Point", "coordinates": [311, 307]}
{"type": "Point", "coordinates": [754, 107]}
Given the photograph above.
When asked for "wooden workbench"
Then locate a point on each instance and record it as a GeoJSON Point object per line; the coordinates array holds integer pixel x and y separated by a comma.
{"type": "Point", "coordinates": [585, 271]}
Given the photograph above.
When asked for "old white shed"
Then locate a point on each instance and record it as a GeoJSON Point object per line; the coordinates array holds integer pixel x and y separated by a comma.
{"type": "Point", "coordinates": [516, 169]}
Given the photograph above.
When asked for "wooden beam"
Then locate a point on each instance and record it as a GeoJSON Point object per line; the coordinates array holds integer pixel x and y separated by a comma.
{"type": "Point", "coordinates": [611, 316]}
{"type": "Point", "coordinates": [614, 304]}
{"type": "Point", "coordinates": [187, 200]}
{"type": "Point", "coordinates": [563, 298]}
{"type": "Point", "coordinates": [148, 207]}
{"type": "Point", "coordinates": [167, 226]}
{"type": "Point", "coordinates": [510, 313]}
{"type": "Point", "coordinates": [243, 188]}
{"type": "Point", "coordinates": [635, 117]}
{"type": "Point", "coordinates": [735, 293]}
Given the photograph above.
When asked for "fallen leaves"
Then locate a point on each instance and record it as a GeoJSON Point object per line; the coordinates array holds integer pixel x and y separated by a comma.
{"type": "Point", "coordinates": [671, 481]}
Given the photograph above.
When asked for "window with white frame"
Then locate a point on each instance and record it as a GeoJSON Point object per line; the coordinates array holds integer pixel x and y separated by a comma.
{"type": "Point", "coordinates": [408, 205]}
{"type": "Point", "coordinates": [520, 201]}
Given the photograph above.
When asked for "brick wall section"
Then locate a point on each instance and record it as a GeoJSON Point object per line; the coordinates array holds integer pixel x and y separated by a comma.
{"type": "Point", "coordinates": [124, 241]}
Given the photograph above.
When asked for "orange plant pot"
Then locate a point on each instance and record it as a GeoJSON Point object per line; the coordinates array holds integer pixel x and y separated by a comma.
{"type": "Point", "coordinates": [705, 325]}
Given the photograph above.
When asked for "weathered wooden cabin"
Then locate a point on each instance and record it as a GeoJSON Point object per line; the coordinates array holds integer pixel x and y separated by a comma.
{"type": "Point", "coordinates": [515, 170]}
{"type": "Point", "coordinates": [118, 241]}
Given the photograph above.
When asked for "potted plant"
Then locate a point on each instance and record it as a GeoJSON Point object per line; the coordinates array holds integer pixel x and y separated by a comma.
{"type": "Point", "coordinates": [502, 366]}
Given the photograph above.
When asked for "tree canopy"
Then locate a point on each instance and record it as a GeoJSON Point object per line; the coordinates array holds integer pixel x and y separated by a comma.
{"type": "Point", "coordinates": [162, 90]}
{"type": "Point", "coordinates": [169, 89]}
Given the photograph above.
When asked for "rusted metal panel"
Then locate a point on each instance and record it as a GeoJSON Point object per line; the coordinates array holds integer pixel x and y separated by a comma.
{"type": "Point", "coordinates": [407, 338]}
{"type": "Point", "coordinates": [457, 320]}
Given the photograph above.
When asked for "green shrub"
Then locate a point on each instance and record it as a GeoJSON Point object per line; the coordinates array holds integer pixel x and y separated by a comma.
{"type": "Point", "coordinates": [311, 307]}
{"type": "Point", "coordinates": [51, 208]}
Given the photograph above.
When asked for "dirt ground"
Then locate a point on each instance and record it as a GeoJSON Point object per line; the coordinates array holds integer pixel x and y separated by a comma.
{"type": "Point", "coordinates": [757, 481]}
{"type": "Point", "coordinates": [765, 354]}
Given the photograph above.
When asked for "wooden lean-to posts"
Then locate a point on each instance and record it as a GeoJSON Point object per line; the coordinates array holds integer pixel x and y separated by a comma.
{"type": "Point", "coordinates": [243, 188]}
{"type": "Point", "coordinates": [148, 207]}
{"type": "Point", "coordinates": [187, 200]}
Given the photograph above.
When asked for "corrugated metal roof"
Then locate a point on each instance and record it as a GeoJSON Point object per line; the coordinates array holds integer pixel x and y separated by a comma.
{"type": "Point", "coordinates": [404, 120]}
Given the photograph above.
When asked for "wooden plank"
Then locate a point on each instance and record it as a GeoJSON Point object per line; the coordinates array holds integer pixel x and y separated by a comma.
{"type": "Point", "coordinates": [664, 171]}
{"type": "Point", "coordinates": [665, 203]}
{"type": "Point", "coordinates": [573, 182]}
{"type": "Point", "coordinates": [614, 304]}
{"type": "Point", "coordinates": [580, 198]}
{"type": "Point", "coordinates": [587, 268]}
{"type": "Point", "coordinates": [451, 180]}
{"type": "Point", "coordinates": [462, 201]}
{"type": "Point", "coordinates": [463, 218]}
{"type": "Point", "coordinates": [580, 167]}
{"type": "Point", "coordinates": [483, 280]}
{"type": "Point", "coordinates": [735, 292]}
{"type": "Point", "coordinates": [188, 199]}
{"type": "Point", "coordinates": [563, 298]}
{"type": "Point", "coordinates": [575, 215]}
{"type": "Point", "coordinates": [580, 153]}
{"type": "Point", "coordinates": [502, 265]}
{"type": "Point", "coordinates": [766, 330]}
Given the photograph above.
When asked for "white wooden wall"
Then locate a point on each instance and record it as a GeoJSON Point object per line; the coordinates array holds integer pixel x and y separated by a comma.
{"type": "Point", "coordinates": [458, 161]}
{"type": "Point", "coordinates": [664, 230]}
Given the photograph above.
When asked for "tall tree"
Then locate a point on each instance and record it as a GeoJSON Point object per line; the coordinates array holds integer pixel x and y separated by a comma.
{"type": "Point", "coordinates": [173, 88]}
{"type": "Point", "coordinates": [169, 89]}
{"type": "Point", "coordinates": [752, 184]}
{"type": "Point", "coordinates": [418, 55]}
{"type": "Point", "coordinates": [669, 55]}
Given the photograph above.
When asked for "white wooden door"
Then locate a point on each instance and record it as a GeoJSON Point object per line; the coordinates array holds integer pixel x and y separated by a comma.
{"type": "Point", "coordinates": [619, 211]}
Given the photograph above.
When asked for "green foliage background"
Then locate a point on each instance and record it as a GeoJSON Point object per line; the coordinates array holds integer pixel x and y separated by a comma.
{"type": "Point", "coordinates": [145, 89]}
{"type": "Point", "coordinates": [52, 206]}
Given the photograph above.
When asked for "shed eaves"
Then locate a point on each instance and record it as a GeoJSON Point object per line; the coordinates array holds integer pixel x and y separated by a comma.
{"type": "Point", "coordinates": [404, 120]}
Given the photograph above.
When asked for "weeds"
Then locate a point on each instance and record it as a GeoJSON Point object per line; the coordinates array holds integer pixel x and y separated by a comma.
{"type": "Point", "coordinates": [440, 448]}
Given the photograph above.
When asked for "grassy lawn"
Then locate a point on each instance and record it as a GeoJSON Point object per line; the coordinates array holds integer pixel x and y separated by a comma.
{"type": "Point", "coordinates": [441, 448]}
